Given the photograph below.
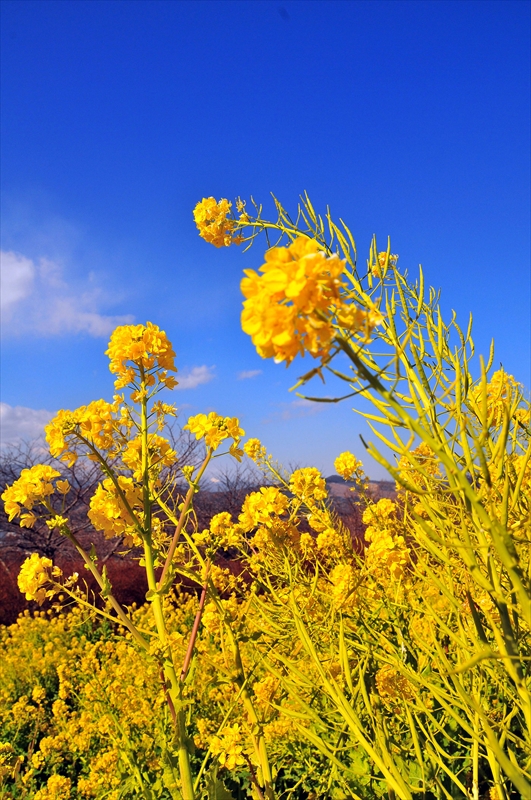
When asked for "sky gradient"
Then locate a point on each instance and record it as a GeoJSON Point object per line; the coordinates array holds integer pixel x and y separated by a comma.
{"type": "Point", "coordinates": [410, 119]}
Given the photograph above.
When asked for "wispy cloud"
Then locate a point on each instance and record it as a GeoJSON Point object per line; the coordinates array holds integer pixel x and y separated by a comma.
{"type": "Point", "coordinates": [247, 374]}
{"type": "Point", "coordinates": [189, 379]}
{"type": "Point", "coordinates": [295, 410]}
{"type": "Point", "coordinates": [19, 422]}
{"type": "Point", "coordinates": [38, 299]}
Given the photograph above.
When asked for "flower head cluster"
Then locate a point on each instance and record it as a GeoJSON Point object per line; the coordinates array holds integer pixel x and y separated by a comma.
{"type": "Point", "coordinates": [500, 393]}
{"type": "Point", "coordinates": [145, 347]}
{"type": "Point", "coordinates": [349, 467]}
{"type": "Point", "coordinates": [344, 580]}
{"type": "Point", "coordinates": [35, 573]}
{"type": "Point", "coordinates": [229, 747]}
{"type": "Point", "coordinates": [419, 467]}
{"type": "Point", "coordinates": [285, 310]}
{"type": "Point", "coordinates": [255, 450]}
{"type": "Point", "coordinates": [112, 511]}
{"type": "Point", "coordinates": [387, 555]}
{"type": "Point", "coordinates": [57, 788]}
{"type": "Point", "coordinates": [160, 454]}
{"type": "Point", "coordinates": [308, 485]}
{"type": "Point", "coordinates": [212, 220]}
{"type": "Point", "coordinates": [222, 533]}
{"type": "Point", "coordinates": [215, 429]}
{"type": "Point", "coordinates": [97, 423]}
{"type": "Point", "coordinates": [33, 487]}
{"type": "Point", "coordinates": [262, 508]}
{"type": "Point", "coordinates": [392, 686]}
{"type": "Point", "coordinates": [384, 260]}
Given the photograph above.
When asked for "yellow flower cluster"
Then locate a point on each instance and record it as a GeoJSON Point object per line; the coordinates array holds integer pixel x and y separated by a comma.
{"type": "Point", "coordinates": [344, 579]}
{"type": "Point", "coordinates": [262, 508]}
{"type": "Point", "coordinates": [392, 686]}
{"type": "Point", "coordinates": [387, 555]}
{"type": "Point", "coordinates": [215, 429]}
{"type": "Point", "coordinates": [57, 788]}
{"type": "Point", "coordinates": [285, 310]}
{"type": "Point", "coordinates": [211, 218]}
{"type": "Point", "coordinates": [221, 533]}
{"type": "Point", "coordinates": [33, 487]}
{"type": "Point", "coordinates": [148, 348]}
{"type": "Point", "coordinates": [349, 467]}
{"type": "Point", "coordinates": [229, 747]}
{"type": "Point", "coordinates": [35, 573]}
{"type": "Point", "coordinates": [160, 454]}
{"type": "Point", "coordinates": [96, 422]}
{"type": "Point", "coordinates": [500, 393]}
{"type": "Point", "coordinates": [255, 450]}
{"type": "Point", "coordinates": [308, 485]}
{"type": "Point", "coordinates": [109, 513]}
{"type": "Point", "coordinates": [384, 260]}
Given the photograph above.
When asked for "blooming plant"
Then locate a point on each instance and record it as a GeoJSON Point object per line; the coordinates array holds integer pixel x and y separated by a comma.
{"type": "Point", "coordinates": [316, 671]}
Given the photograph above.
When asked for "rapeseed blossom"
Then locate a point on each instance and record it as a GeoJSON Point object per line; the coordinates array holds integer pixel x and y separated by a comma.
{"type": "Point", "coordinates": [289, 309]}
{"type": "Point", "coordinates": [229, 747]}
{"type": "Point", "coordinates": [160, 454]}
{"type": "Point", "coordinates": [112, 511]}
{"type": "Point", "coordinates": [387, 556]}
{"type": "Point", "coordinates": [214, 429]}
{"type": "Point", "coordinates": [285, 310]}
{"type": "Point", "coordinates": [34, 574]}
{"type": "Point", "coordinates": [500, 393]}
{"type": "Point", "coordinates": [148, 348]}
{"type": "Point", "coordinates": [33, 487]}
{"type": "Point", "coordinates": [308, 485]}
{"type": "Point", "coordinates": [262, 508]}
{"type": "Point", "coordinates": [95, 423]}
{"type": "Point", "coordinates": [212, 220]}
{"type": "Point", "coordinates": [255, 450]}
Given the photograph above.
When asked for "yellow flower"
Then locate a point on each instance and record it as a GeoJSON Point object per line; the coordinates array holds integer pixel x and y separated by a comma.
{"type": "Point", "coordinates": [343, 578]}
{"type": "Point", "coordinates": [229, 747]}
{"type": "Point", "coordinates": [57, 788]}
{"type": "Point", "coordinates": [211, 218]}
{"type": "Point", "coordinates": [500, 393]}
{"type": "Point", "coordinates": [255, 450]}
{"type": "Point", "coordinates": [379, 268]}
{"type": "Point", "coordinates": [214, 429]}
{"type": "Point", "coordinates": [329, 542]}
{"type": "Point", "coordinates": [144, 346]}
{"type": "Point", "coordinates": [307, 484]}
{"type": "Point", "coordinates": [33, 576]}
{"type": "Point", "coordinates": [57, 522]}
{"type": "Point", "coordinates": [33, 487]}
{"type": "Point", "coordinates": [160, 454]}
{"type": "Point", "coordinates": [108, 512]}
{"type": "Point", "coordinates": [96, 423]}
{"type": "Point", "coordinates": [348, 466]}
{"type": "Point", "coordinates": [261, 508]}
{"type": "Point", "coordinates": [285, 308]}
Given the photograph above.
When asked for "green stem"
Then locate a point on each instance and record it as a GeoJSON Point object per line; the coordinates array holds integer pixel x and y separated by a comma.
{"type": "Point", "coordinates": [173, 686]}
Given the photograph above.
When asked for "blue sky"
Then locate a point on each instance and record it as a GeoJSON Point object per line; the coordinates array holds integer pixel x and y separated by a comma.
{"type": "Point", "coordinates": [408, 118]}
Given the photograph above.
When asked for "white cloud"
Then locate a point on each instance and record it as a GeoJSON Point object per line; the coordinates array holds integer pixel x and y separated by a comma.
{"type": "Point", "coordinates": [191, 378]}
{"type": "Point", "coordinates": [36, 299]}
{"type": "Point", "coordinates": [296, 409]}
{"type": "Point", "coordinates": [19, 422]}
{"type": "Point", "coordinates": [16, 278]}
{"type": "Point", "coordinates": [246, 374]}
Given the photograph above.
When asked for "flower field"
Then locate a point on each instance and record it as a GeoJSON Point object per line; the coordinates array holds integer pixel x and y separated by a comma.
{"type": "Point", "coordinates": [313, 670]}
